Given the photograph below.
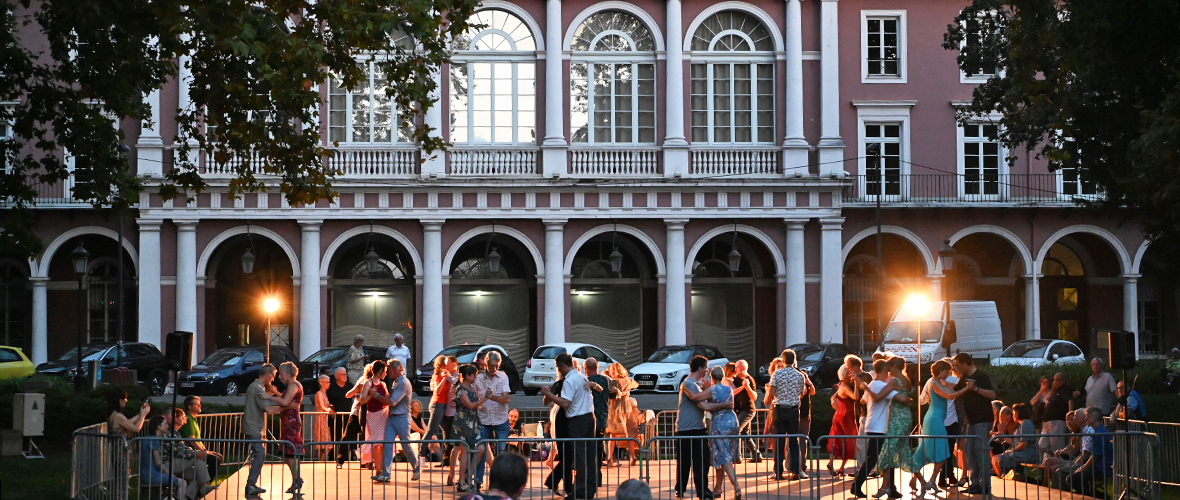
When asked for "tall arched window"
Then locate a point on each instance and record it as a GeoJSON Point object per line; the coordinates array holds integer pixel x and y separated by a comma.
{"type": "Point", "coordinates": [493, 82]}
{"type": "Point", "coordinates": [732, 78]}
{"type": "Point", "coordinates": [613, 80]}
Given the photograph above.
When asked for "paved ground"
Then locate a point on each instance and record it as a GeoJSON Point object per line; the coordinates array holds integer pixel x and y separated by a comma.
{"type": "Point", "coordinates": [519, 400]}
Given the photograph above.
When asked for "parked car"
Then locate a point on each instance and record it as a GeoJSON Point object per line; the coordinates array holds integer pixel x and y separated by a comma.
{"type": "Point", "coordinates": [466, 354]}
{"type": "Point", "coordinates": [14, 363]}
{"type": "Point", "coordinates": [819, 361]}
{"type": "Point", "coordinates": [1040, 352]}
{"type": "Point", "coordinates": [229, 371]}
{"type": "Point", "coordinates": [150, 365]}
{"type": "Point", "coordinates": [666, 368]}
{"type": "Point", "coordinates": [541, 370]}
{"type": "Point", "coordinates": [330, 359]}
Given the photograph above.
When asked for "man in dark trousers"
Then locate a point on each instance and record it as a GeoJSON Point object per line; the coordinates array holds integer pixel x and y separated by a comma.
{"type": "Point", "coordinates": [977, 404]}
{"type": "Point", "coordinates": [578, 404]}
{"type": "Point", "coordinates": [600, 391]}
{"type": "Point", "coordinates": [693, 455]}
{"type": "Point", "coordinates": [341, 405]}
{"type": "Point", "coordinates": [785, 391]}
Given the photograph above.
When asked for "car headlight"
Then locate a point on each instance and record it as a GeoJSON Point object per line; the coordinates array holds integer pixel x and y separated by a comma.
{"type": "Point", "coordinates": [810, 370]}
{"type": "Point", "coordinates": [214, 376]}
{"type": "Point", "coordinates": [419, 372]}
{"type": "Point", "coordinates": [71, 372]}
{"type": "Point", "coordinates": [669, 374]}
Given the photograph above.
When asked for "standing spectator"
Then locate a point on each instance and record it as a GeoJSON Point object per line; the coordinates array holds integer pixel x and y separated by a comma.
{"type": "Point", "coordinates": [340, 409]}
{"type": "Point", "coordinates": [192, 430]}
{"type": "Point", "coordinates": [578, 404]}
{"type": "Point", "coordinates": [117, 423]}
{"type": "Point", "coordinates": [622, 406]}
{"type": "Point", "coordinates": [448, 423]}
{"type": "Point", "coordinates": [398, 424]}
{"type": "Point", "coordinates": [467, 429]}
{"type": "Point", "coordinates": [599, 386]}
{"type": "Point", "coordinates": [633, 489]}
{"type": "Point", "coordinates": [398, 351]}
{"type": "Point", "coordinates": [787, 387]}
{"type": "Point", "coordinates": [692, 455]}
{"type": "Point", "coordinates": [509, 475]}
{"type": "Point", "coordinates": [879, 394]}
{"type": "Point", "coordinates": [1133, 401]}
{"type": "Point", "coordinates": [320, 431]}
{"type": "Point", "coordinates": [1056, 405]}
{"type": "Point", "coordinates": [254, 425]}
{"type": "Point", "coordinates": [182, 460]}
{"type": "Point", "coordinates": [356, 359]}
{"type": "Point", "coordinates": [725, 423]}
{"type": "Point", "coordinates": [493, 385]}
{"type": "Point", "coordinates": [1100, 388]}
{"type": "Point", "coordinates": [977, 409]}
{"type": "Point", "coordinates": [744, 397]}
{"type": "Point", "coordinates": [1025, 449]}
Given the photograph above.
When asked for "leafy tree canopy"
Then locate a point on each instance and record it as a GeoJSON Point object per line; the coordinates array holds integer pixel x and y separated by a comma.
{"type": "Point", "coordinates": [1091, 85]}
{"type": "Point", "coordinates": [69, 69]}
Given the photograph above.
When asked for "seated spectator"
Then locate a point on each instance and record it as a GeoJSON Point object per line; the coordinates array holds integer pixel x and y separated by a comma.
{"type": "Point", "coordinates": [153, 469]}
{"type": "Point", "coordinates": [1005, 425]}
{"type": "Point", "coordinates": [185, 461]}
{"type": "Point", "coordinates": [509, 476]}
{"type": "Point", "coordinates": [1025, 449]}
{"type": "Point", "coordinates": [1064, 459]}
{"type": "Point", "coordinates": [192, 429]}
{"type": "Point", "coordinates": [1133, 400]}
{"type": "Point", "coordinates": [1098, 451]}
{"type": "Point", "coordinates": [633, 489]}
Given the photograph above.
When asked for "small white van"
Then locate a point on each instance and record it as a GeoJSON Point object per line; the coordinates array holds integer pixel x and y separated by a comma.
{"type": "Point", "coordinates": [974, 329]}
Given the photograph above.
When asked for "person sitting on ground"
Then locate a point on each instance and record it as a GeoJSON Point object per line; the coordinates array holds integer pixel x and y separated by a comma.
{"type": "Point", "coordinates": [508, 478]}
{"type": "Point", "coordinates": [186, 462]}
{"type": "Point", "coordinates": [1025, 449]}
{"type": "Point", "coordinates": [633, 489]}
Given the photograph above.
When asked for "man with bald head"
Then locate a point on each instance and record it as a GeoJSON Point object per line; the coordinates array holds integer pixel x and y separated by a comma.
{"type": "Point", "coordinates": [744, 396]}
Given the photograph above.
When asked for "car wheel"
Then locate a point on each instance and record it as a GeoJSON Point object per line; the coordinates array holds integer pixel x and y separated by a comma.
{"type": "Point", "coordinates": [529, 391]}
{"type": "Point", "coordinates": [157, 382]}
{"type": "Point", "coordinates": [231, 388]}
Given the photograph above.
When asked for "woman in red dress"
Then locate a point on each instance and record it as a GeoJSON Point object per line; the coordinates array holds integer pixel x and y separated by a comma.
{"type": "Point", "coordinates": [290, 423]}
{"type": "Point", "coordinates": [843, 424]}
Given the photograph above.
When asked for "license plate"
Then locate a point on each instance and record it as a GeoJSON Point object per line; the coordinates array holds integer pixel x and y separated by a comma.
{"type": "Point", "coordinates": [648, 383]}
{"type": "Point", "coordinates": [544, 379]}
{"type": "Point", "coordinates": [186, 384]}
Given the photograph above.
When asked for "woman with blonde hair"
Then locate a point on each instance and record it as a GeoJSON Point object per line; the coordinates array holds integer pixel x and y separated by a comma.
{"type": "Point", "coordinates": [620, 409]}
{"type": "Point", "coordinates": [356, 359]}
{"type": "Point", "coordinates": [320, 428]}
{"type": "Point", "coordinates": [768, 429]}
{"type": "Point", "coordinates": [290, 421]}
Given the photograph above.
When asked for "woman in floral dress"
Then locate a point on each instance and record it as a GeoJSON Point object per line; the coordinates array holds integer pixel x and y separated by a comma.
{"type": "Point", "coordinates": [896, 453]}
{"type": "Point", "coordinates": [290, 423]}
{"type": "Point", "coordinates": [466, 425]}
{"type": "Point", "coordinates": [725, 423]}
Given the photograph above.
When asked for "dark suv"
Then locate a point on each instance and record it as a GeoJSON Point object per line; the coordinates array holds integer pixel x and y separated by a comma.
{"type": "Point", "coordinates": [150, 365]}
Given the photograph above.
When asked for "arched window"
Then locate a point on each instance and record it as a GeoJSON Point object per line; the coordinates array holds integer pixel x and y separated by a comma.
{"type": "Point", "coordinates": [103, 297]}
{"type": "Point", "coordinates": [732, 80]}
{"type": "Point", "coordinates": [493, 82]}
{"type": "Point", "coordinates": [613, 80]}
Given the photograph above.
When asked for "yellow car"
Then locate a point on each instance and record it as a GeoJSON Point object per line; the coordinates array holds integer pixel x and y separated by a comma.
{"type": "Point", "coordinates": [14, 363]}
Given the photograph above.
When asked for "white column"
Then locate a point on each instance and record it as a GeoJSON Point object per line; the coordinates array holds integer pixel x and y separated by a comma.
{"type": "Point", "coordinates": [309, 289]}
{"type": "Point", "coordinates": [796, 284]}
{"type": "Point", "coordinates": [186, 278]}
{"type": "Point", "coordinates": [432, 295]}
{"type": "Point", "coordinates": [831, 281]}
{"type": "Point", "coordinates": [675, 147]}
{"type": "Point", "coordinates": [1032, 306]}
{"type": "Point", "coordinates": [151, 146]}
{"type": "Point", "coordinates": [795, 147]}
{"type": "Point", "coordinates": [675, 313]}
{"type": "Point", "coordinates": [434, 164]}
{"type": "Point", "coordinates": [554, 281]}
{"type": "Point", "coordinates": [149, 282]}
{"type": "Point", "coordinates": [935, 286]}
{"type": "Point", "coordinates": [554, 147]}
{"type": "Point", "coordinates": [1131, 307]}
{"type": "Point", "coordinates": [41, 320]}
{"type": "Point", "coordinates": [831, 146]}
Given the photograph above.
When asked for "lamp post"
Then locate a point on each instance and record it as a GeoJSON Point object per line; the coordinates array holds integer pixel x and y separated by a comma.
{"type": "Point", "coordinates": [873, 152]}
{"type": "Point", "coordinates": [270, 305]}
{"type": "Point", "coordinates": [918, 304]}
{"type": "Point", "coordinates": [81, 259]}
{"type": "Point", "coordinates": [735, 257]}
{"type": "Point", "coordinates": [248, 257]}
{"type": "Point", "coordinates": [616, 257]}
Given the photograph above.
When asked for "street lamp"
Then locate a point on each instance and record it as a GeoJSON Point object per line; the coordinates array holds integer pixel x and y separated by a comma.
{"type": "Point", "coordinates": [735, 257]}
{"type": "Point", "coordinates": [918, 305]}
{"type": "Point", "coordinates": [372, 259]}
{"type": "Point", "coordinates": [270, 305]}
{"type": "Point", "coordinates": [248, 257]}
{"type": "Point", "coordinates": [81, 259]}
{"type": "Point", "coordinates": [616, 257]}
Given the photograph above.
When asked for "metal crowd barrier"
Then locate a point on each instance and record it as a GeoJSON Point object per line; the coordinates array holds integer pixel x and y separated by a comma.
{"type": "Point", "coordinates": [137, 485]}
{"type": "Point", "coordinates": [1135, 468]}
{"type": "Point", "coordinates": [823, 485]}
{"type": "Point", "coordinates": [1168, 434]}
{"type": "Point", "coordinates": [99, 465]}
{"type": "Point", "coordinates": [545, 464]}
{"type": "Point", "coordinates": [674, 475]}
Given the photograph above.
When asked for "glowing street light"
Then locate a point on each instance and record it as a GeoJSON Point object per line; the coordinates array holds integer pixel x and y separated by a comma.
{"type": "Point", "coordinates": [918, 305]}
{"type": "Point", "coordinates": [270, 305]}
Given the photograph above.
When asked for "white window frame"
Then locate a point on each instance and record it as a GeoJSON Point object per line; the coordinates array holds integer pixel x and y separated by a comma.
{"type": "Point", "coordinates": [961, 141]}
{"type": "Point", "coordinates": [709, 59]}
{"type": "Point", "coordinates": [902, 47]}
{"type": "Point", "coordinates": [974, 79]}
{"type": "Point", "coordinates": [883, 113]}
{"type": "Point", "coordinates": [633, 57]}
{"type": "Point", "coordinates": [349, 109]}
{"type": "Point", "coordinates": [515, 58]}
{"type": "Point", "coordinates": [6, 134]}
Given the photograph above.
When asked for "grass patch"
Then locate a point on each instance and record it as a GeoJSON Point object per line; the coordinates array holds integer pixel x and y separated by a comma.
{"type": "Point", "coordinates": [47, 479]}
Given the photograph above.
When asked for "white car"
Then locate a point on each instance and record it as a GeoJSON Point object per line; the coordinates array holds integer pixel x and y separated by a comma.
{"type": "Point", "coordinates": [666, 368]}
{"type": "Point", "coordinates": [541, 369]}
{"type": "Point", "coordinates": [1041, 352]}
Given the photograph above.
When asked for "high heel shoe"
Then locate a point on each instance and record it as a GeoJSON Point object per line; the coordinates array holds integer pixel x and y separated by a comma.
{"type": "Point", "coordinates": [737, 495]}
{"type": "Point", "coordinates": [295, 486]}
{"type": "Point", "coordinates": [881, 493]}
{"type": "Point", "coordinates": [832, 471]}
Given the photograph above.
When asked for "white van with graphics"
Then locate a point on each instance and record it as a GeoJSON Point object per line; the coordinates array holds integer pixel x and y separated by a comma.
{"type": "Point", "coordinates": [974, 328]}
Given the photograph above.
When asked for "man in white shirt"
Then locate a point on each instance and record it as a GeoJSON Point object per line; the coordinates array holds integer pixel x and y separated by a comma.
{"type": "Point", "coordinates": [876, 423]}
{"type": "Point", "coordinates": [578, 403]}
{"type": "Point", "coordinates": [493, 414]}
{"type": "Point", "coordinates": [399, 351]}
{"type": "Point", "coordinates": [1100, 388]}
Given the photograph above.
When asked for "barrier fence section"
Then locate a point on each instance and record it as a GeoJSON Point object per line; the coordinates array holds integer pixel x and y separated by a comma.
{"type": "Point", "coordinates": [553, 465]}
{"type": "Point", "coordinates": [1133, 467]}
{"type": "Point", "coordinates": [148, 469]}
{"type": "Point", "coordinates": [1168, 435]}
{"type": "Point", "coordinates": [687, 469]}
{"type": "Point", "coordinates": [98, 465]}
{"type": "Point", "coordinates": [952, 447]}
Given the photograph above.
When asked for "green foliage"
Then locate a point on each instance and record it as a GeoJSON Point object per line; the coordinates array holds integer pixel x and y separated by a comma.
{"type": "Point", "coordinates": [1019, 383]}
{"type": "Point", "coordinates": [66, 411]}
{"type": "Point", "coordinates": [256, 70]}
{"type": "Point", "coordinates": [1088, 85]}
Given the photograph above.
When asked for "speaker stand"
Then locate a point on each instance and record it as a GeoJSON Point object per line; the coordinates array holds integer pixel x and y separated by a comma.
{"type": "Point", "coordinates": [1127, 493]}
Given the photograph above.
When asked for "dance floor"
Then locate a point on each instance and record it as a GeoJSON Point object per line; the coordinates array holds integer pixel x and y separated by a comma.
{"type": "Point", "coordinates": [325, 481]}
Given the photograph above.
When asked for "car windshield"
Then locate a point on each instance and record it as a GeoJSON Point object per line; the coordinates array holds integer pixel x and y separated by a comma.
{"type": "Point", "coordinates": [906, 332]}
{"type": "Point", "coordinates": [223, 358]}
{"type": "Point", "coordinates": [465, 353]}
{"type": "Point", "coordinates": [811, 355]}
{"type": "Point", "coordinates": [548, 352]}
{"type": "Point", "coordinates": [89, 353]}
{"type": "Point", "coordinates": [1031, 349]}
{"type": "Point", "coordinates": [673, 355]}
{"type": "Point", "coordinates": [326, 356]}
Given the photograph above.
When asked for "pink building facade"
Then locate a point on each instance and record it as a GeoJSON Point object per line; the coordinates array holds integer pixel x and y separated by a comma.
{"type": "Point", "coordinates": [721, 149]}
